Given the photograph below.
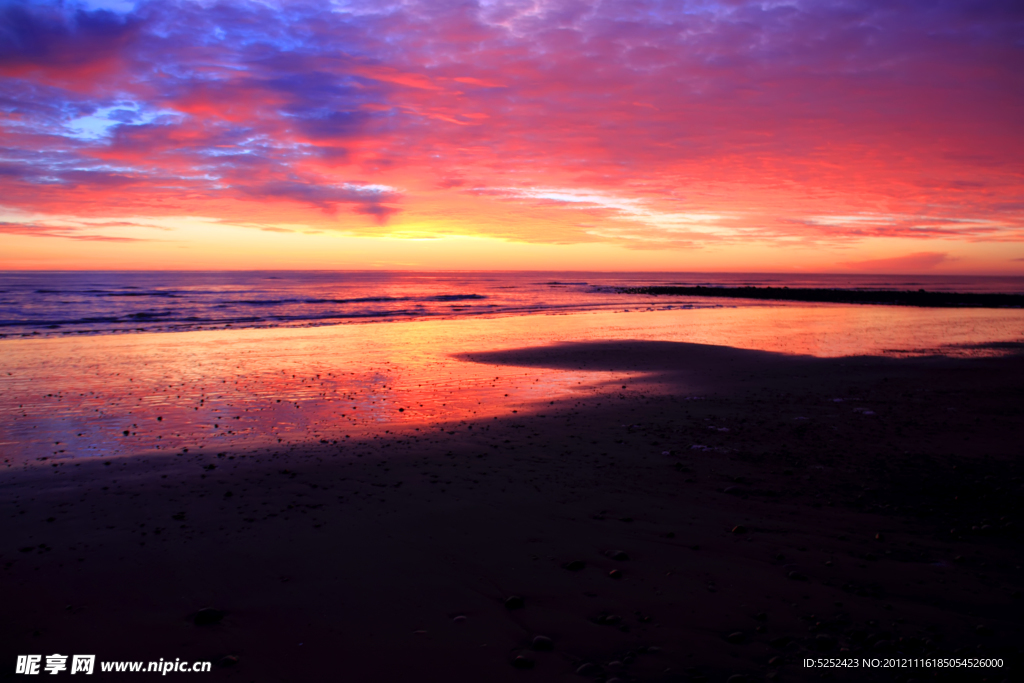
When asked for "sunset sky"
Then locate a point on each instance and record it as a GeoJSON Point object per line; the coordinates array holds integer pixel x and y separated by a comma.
{"type": "Point", "coordinates": [848, 136]}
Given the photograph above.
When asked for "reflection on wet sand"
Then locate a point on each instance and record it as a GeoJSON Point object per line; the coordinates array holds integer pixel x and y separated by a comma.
{"type": "Point", "coordinates": [220, 390]}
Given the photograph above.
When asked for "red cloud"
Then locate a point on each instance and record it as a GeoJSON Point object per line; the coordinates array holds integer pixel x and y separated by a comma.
{"type": "Point", "coordinates": [774, 114]}
{"type": "Point", "coordinates": [66, 233]}
{"type": "Point", "coordinates": [910, 264]}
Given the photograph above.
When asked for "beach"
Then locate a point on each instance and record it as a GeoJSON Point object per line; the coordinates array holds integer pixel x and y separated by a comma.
{"type": "Point", "coordinates": [655, 510]}
{"type": "Point", "coordinates": [511, 340]}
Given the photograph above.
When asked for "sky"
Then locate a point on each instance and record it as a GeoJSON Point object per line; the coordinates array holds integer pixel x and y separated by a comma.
{"type": "Point", "coordinates": [832, 136]}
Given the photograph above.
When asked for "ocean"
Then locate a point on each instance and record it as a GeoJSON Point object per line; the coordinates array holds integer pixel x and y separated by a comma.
{"type": "Point", "coordinates": [35, 303]}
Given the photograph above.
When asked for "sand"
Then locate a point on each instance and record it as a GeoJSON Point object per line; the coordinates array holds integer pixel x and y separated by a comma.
{"type": "Point", "coordinates": [763, 508]}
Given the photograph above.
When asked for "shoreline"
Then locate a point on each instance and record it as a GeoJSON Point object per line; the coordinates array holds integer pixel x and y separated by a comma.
{"type": "Point", "coordinates": [88, 303]}
{"type": "Point", "coordinates": [391, 557]}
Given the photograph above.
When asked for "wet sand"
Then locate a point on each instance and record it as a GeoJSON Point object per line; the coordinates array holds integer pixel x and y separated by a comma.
{"type": "Point", "coordinates": [130, 395]}
{"type": "Point", "coordinates": [767, 507]}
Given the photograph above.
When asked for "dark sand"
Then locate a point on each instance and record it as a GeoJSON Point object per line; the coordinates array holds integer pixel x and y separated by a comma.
{"type": "Point", "coordinates": [885, 524]}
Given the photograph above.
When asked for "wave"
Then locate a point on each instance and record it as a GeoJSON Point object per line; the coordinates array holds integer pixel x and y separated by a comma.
{"type": "Point", "coordinates": [164, 318]}
{"type": "Point", "coordinates": [49, 304]}
{"type": "Point", "coordinates": [357, 300]}
{"type": "Point", "coordinates": [454, 297]}
{"type": "Point", "coordinates": [102, 292]}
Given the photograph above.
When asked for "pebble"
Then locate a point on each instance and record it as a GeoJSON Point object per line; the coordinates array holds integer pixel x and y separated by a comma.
{"type": "Point", "coordinates": [615, 574]}
{"type": "Point", "coordinates": [796, 576]}
{"type": "Point", "coordinates": [521, 662]}
{"type": "Point", "coordinates": [543, 643]}
{"type": "Point", "coordinates": [619, 556]}
{"type": "Point", "coordinates": [514, 602]}
{"type": "Point", "coordinates": [735, 638]}
{"type": "Point", "coordinates": [229, 660]}
{"type": "Point", "coordinates": [207, 616]}
{"type": "Point", "coordinates": [575, 565]}
{"type": "Point", "coordinates": [739, 529]}
{"type": "Point", "coordinates": [589, 669]}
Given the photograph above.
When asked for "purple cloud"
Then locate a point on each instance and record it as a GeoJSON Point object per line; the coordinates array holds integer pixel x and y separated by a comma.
{"type": "Point", "coordinates": [850, 105]}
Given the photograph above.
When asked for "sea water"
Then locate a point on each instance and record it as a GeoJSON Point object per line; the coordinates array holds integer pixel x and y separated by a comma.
{"type": "Point", "coordinates": [38, 303]}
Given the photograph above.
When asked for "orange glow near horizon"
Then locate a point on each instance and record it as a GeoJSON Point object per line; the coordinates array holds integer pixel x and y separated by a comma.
{"type": "Point", "coordinates": [542, 136]}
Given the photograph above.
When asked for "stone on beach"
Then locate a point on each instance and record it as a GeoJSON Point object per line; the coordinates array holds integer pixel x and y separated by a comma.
{"type": "Point", "coordinates": [521, 662]}
{"type": "Point", "coordinates": [543, 643]}
{"type": "Point", "coordinates": [515, 602]}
